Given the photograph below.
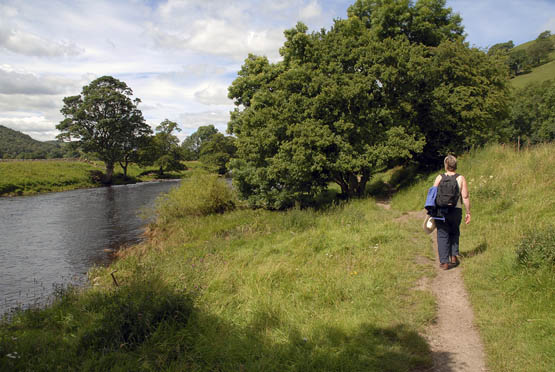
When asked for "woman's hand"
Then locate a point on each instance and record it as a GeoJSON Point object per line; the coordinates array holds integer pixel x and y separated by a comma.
{"type": "Point", "coordinates": [467, 218]}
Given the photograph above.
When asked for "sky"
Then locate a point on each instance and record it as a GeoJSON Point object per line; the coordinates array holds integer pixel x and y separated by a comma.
{"type": "Point", "coordinates": [180, 56]}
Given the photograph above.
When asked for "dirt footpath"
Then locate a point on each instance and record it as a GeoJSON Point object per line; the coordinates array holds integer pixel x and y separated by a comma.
{"type": "Point", "coordinates": [453, 338]}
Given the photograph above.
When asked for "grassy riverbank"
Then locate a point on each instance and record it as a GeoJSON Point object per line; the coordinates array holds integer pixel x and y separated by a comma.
{"type": "Point", "coordinates": [509, 253]}
{"type": "Point", "coordinates": [246, 290]}
{"type": "Point", "coordinates": [306, 290]}
{"type": "Point", "coordinates": [33, 177]}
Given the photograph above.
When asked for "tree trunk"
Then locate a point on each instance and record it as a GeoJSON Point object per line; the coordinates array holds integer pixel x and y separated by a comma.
{"type": "Point", "coordinates": [352, 185]}
{"type": "Point", "coordinates": [124, 166]}
{"type": "Point", "coordinates": [341, 182]}
{"type": "Point", "coordinates": [109, 173]}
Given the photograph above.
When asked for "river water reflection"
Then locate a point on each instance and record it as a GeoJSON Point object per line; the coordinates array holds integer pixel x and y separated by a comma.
{"type": "Point", "coordinates": [52, 239]}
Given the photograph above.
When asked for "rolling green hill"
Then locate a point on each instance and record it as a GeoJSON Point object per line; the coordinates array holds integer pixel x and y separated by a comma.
{"type": "Point", "coordinates": [16, 145]}
{"type": "Point", "coordinates": [537, 74]}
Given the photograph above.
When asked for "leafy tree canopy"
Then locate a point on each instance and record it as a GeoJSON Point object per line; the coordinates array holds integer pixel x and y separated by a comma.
{"type": "Point", "coordinates": [389, 82]}
{"type": "Point", "coordinates": [532, 116]}
{"type": "Point", "coordinates": [218, 151]}
{"type": "Point", "coordinates": [193, 143]}
{"type": "Point", "coordinates": [105, 121]}
{"type": "Point", "coordinates": [162, 149]}
{"type": "Point", "coordinates": [501, 48]}
{"type": "Point", "coordinates": [538, 52]}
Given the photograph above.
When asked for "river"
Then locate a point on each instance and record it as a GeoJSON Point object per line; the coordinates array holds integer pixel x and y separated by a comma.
{"type": "Point", "coordinates": [54, 239]}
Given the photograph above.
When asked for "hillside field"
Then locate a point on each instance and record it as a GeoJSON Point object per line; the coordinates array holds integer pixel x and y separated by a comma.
{"type": "Point", "coordinates": [538, 74]}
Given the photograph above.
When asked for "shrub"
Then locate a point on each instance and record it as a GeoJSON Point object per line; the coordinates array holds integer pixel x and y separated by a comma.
{"type": "Point", "coordinates": [537, 248]}
{"type": "Point", "coordinates": [199, 195]}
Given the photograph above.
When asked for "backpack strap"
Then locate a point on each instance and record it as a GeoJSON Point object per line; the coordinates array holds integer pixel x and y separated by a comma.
{"type": "Point", "coordinates": [443, 175]}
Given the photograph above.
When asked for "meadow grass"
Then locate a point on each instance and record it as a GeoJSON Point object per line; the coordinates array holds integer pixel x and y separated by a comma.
{"type": "Point", "coordinates": [537, 75]}
{"type": "Point", "coordinates": [28, 177]}
{"type": "Point", "coordinates": [513, 209]}
{"type": "Point", "coordinates": [33, 177]}
{"type": "Point", "coordinates": [248, 290]}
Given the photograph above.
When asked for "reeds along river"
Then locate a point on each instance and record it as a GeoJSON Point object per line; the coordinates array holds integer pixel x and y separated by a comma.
{"type": "Point", "coordinates": [54, 239]}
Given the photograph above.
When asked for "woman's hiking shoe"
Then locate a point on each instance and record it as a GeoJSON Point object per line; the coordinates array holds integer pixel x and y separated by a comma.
{"type": "Point", "coordinates": [454, 261]}
{"type": "Point", "coordinates": [444, 266]}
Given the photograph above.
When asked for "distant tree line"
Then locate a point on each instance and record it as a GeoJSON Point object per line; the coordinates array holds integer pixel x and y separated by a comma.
{"type": "Point", "coordinates": [521, 60]}
{"type": "Point", "coordinates": [210, 147]}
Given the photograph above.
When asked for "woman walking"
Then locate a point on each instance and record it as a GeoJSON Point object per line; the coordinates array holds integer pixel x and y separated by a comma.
{"type": "Point", "coordinates": [448, 231]}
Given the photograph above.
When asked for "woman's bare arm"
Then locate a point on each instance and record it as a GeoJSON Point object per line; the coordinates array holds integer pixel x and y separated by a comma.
{"type": "Point", "coordinates": [437, 180]}
{"type": "Point", "coordinates": [466, 200]}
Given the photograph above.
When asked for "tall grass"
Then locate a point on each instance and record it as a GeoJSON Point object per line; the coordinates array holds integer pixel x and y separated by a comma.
{"type": "Point", "coordinates": [508, 252]}
{"type": "Point", "coordinates": [301, 290]}
{"type": "Point", "coordinates": [199, 195]}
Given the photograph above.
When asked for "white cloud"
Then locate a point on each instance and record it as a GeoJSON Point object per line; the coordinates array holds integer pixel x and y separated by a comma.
{"type": "Point", "coordinates": [203, 70]}
{"type": "Point", "coordinates": [312, 10]}
{"type": "Point", "coordinates": [219, 37]}
{"type": "Point", "coordinates": [38, 127]}
{"type": "Point", "coordinates": [30, 44]}
{"type": "Point", "coordinates": [190, 121]}
{"type": "Point", "coordinates": [14, 82]}
{"type": "Point", "coordinates": [29, 103]}
{"type": "Point", "coordinates": [213, 94]}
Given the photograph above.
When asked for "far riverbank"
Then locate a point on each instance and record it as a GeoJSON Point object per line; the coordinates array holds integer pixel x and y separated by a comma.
{"type": "Point", "coordinates": [30, 177]}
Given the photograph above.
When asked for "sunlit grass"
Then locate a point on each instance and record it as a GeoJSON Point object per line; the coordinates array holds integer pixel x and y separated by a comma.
{"type": "Point", "coordinates": [26, 177]}
{"type": "Point", "coordinates": [537, 75]}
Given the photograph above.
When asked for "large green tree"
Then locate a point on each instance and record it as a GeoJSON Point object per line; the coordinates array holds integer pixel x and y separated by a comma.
{"type": "Point", "coordinates": [193, 143]}
{"type": "Point", "coordinates": [163, 149]}
{"type": "Point", "coordinates": [218, 151]}
{"type": "Point", "coordinates": [352, 101]}
{"type": "Point", "coordinates": [517, 61]}
{"type": "Point", "coordinates": [538, 52]}
{"type": "Point", "coordinates": [105, 121]}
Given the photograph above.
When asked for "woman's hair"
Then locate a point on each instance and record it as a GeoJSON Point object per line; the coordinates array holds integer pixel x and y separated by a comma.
{"type": "Point", "coordinates": [450, 163]}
